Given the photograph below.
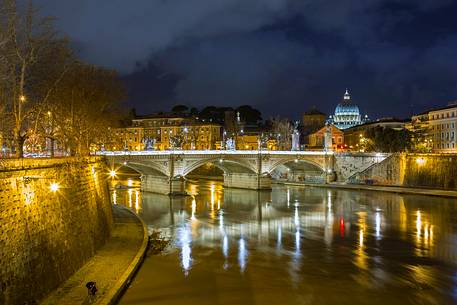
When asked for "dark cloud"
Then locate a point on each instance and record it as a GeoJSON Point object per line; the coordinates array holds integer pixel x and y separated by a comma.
{"type": "Point", "coordinates": [282, 56]}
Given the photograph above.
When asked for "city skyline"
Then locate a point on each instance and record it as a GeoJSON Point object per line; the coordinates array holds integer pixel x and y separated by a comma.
{"type": "Point", "coordinates": [391, 54]}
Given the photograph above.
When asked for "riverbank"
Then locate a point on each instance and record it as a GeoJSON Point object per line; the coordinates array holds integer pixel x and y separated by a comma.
{"type": "Point", "coordinates": [112, 267]}
{"type": "Point", "coordinates": [379, 188]}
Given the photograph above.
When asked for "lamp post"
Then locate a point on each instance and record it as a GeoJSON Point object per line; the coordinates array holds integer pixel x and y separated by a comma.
{"type": "Point", "coordinates": [223, 146]}
{"type": "Point", "coordinates": [186, 131]}
{"type": "Point", "coordinates": [242, 138]}
{"type": "Point", "coordinates": [51, 134]}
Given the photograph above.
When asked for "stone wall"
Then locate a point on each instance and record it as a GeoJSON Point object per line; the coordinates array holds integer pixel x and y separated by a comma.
{"type": "Point", "coordinates": [390, 171]}
{"type": "Point", "coordinates": [413, 170]}
{"type": "Point", "coordinates": [431, 170]}
{"type": "Point", "coordinates": [347, 165]}
{"type": "Point", "coordinates": [46, 236]}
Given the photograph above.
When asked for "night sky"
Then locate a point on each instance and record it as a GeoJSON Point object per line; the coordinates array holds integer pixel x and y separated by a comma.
{"type": "Point", "coordinates": [283, 57]}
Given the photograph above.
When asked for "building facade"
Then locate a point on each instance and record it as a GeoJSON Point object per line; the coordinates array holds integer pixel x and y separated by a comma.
{"type": "Point", "coordinates": [355, 137]}
{"type": "Point", "coordinates": [442, 129]}
{"type": "Point", "coordinates": [421, 139]}
{"type": "Point", "coordinates": [347, 114]}
{"type": "Point", "coordinates": [317, 139]}
{"type": "Point", "coordinates": [164, 131]}
{"type": "Point", "coordinates": [313, 120]}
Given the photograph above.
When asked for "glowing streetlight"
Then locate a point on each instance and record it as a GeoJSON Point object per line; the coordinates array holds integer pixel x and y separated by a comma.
{"type": "Point", "coordinates": [54, 187]}
{"type": "Point", "coordinates": [112, 173]}
{"type": "Point", "coordinates": [420, 161]}
{"type": "Point", "coordinates": [22, 98]}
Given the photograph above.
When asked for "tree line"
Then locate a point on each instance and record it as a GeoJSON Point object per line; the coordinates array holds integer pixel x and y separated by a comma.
{"type": "Point", "coordinates": [49, 97]}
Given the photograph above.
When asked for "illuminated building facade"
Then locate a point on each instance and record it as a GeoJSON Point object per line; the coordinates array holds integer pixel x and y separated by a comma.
{"type": "Point", "coordinates": [355, 137]}
{"type": "Point", "coordinates": [442, 129]}
{"type": "Point", "coordinates": [347, 114]}
{"type": "Point", "coordinates": [164, 131]}
{"type": "Point", "coordinates": [313, 120]}
{"type": "Point", "coordinates": [317, 139]}
{"type": "Point", "coordinates": [421, 139]}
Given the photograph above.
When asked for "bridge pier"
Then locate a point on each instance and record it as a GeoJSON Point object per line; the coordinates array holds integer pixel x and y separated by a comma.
{"type": "Point", "coordinates": [163, 185]}
{"type": "Point", "coordinates": [247, 181]}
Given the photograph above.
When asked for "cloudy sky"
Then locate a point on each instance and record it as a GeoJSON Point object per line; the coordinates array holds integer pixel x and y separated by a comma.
{"type": "Point", "coordinates": [282, 56]}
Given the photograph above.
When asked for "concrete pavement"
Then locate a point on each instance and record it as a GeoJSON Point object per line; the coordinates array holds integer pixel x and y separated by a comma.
{"type": "Point", "coordinates": [111, 268]}
{"type": "Point", "coordinates": [380, 188]}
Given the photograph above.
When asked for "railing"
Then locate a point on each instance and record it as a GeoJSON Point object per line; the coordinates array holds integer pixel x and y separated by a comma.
{"type": "Point", "coordinates": [213, 152]}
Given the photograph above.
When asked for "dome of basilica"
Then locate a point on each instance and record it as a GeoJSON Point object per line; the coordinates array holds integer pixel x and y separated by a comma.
{"type": "Point", "coordinates": [346, 114]}
{"type": "Point", "coordinates": [347, 107]}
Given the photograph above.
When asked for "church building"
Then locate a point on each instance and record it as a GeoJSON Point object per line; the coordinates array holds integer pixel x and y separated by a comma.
{"type": "Point", "coordinates": [347, 114]}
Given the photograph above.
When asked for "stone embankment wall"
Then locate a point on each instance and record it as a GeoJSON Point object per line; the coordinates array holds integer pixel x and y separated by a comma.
{"type": "Point", "coordinates": [46, 236]}
{"type": "Point", "coordinates": [348, 164]}
{"type": "Point", "coordinates": [414, 170]}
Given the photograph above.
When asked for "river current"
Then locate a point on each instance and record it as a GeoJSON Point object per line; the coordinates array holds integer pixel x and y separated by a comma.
{"type": "Point", "coordinates": [295, 245]}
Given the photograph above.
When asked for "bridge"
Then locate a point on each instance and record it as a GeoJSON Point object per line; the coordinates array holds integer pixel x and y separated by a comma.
{"type": "Point", "coordinates": [165, 171]}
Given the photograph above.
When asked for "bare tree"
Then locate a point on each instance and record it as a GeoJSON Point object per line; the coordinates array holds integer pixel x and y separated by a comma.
{"type": "Point", "coordinates": [282, 129]}
{"type": "Point", "coordinates": [86, 103]}
{"type": "Point", "coordinates": [28, 45]}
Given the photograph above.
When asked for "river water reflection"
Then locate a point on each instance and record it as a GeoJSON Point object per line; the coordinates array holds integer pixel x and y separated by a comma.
{"type": "Point", "coordinates": [296, 245]}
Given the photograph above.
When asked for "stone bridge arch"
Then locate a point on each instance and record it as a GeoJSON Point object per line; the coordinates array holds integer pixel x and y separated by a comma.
{"type": "Point", "coordinates": [165, 171]}
{"type": "Point", "coordinates": [144, 169]}
{"type": "Point", "coordinates": [141, 164]}
{"type": "Point", "coordinates": [228, 165]}
{"type": "Point", "coordinates": [238, 172]}
{"type": "Point", "coordinates": [284, 161]}
{"type": "Point", "coordinates": [310, 169]}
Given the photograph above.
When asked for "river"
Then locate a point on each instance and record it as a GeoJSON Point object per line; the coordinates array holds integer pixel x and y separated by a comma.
{"type": "Point", "coordinates": [296, 245]}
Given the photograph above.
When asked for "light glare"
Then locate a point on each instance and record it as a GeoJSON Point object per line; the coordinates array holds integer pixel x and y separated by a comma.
{"type": "Point", "coordinates": [54, 187]}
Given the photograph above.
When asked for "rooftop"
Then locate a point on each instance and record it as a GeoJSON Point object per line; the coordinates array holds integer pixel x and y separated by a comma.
{"type": "Point", "coordinates": [314, 111]}
{"type": "Point", "coordinates": [162, 115]}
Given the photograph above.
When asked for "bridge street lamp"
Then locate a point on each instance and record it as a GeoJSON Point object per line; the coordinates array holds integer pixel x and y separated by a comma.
{"type": "Point", "coordinates": [223, 144]}
{"type": "Point", "coordinates": [186, 132]}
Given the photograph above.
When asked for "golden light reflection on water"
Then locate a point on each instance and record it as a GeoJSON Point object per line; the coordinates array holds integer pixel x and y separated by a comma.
{"type": "Point", "coordinates": [137, 201]}
{"type": "Point", "coordinates": [403, 217]}
{"type": "Point", "coordinates": [424, 234]}
{"type": "Point", "coordinates": [361, 257]}
{"type": "Point", "coordinates": [378, 224]}
{"type": "Point", "coordinates": [130, 197]}
{"type": "Point", "coordinates": [293, 232]}
{"type": "Point", "coordinates": [194, 209]}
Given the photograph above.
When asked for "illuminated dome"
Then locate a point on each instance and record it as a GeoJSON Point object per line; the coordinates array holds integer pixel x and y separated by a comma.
{"type": "Point", "coordinates": [346, 114]}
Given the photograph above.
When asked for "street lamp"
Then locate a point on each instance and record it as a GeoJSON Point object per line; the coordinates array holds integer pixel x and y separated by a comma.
{"type": "Point", "coordinates": [224, 134]}
{"type": "Point", "coordinates": [186, 131]}
{"type": "Point", "coordinates": [54, 187]}
{"type": "Point", "coordinates": [420, 161]}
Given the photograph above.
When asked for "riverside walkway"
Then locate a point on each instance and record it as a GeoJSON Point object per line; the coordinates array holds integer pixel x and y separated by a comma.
{"type": "Point", "coordinates": [111, 267]}
{"type": "Point", "coordinates": [383, 188]}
